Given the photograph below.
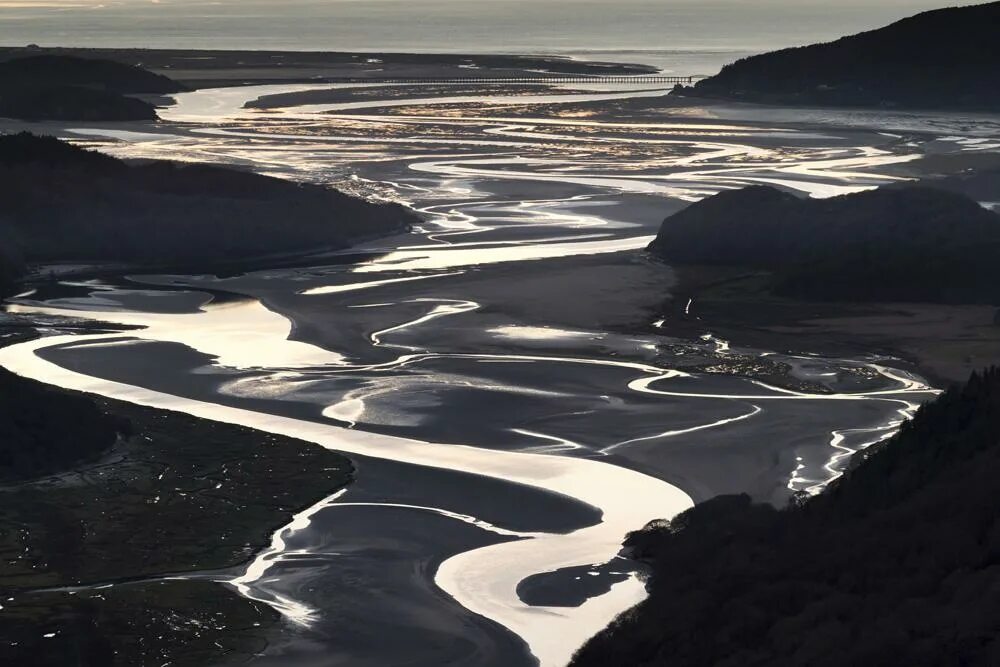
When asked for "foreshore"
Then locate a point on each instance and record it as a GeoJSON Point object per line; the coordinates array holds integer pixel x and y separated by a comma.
{"type": "Point", "coordinates": [943, 342]}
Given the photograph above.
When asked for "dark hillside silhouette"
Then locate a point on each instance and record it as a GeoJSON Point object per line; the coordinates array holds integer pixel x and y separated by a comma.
{"type": "Point", "coordinates": [945, 58]}
{"type": "Point", "coordinates": [61, 87]}
{"type": "Point", "coordinates": [64, 70]}
{"type": "Point", "coordinates": [892, 244]}
{"type": "Point", "coordinates": [26, 150]}
{"type": "Point", "coordinates": [72, 103]}
{"type": "Point", "coordinates": [897, 564]}
{"type": "Point", "coordinates": [63, 203]}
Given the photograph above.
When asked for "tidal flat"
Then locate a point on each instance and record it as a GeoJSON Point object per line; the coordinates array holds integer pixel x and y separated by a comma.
{"type": "Point", "coordinates": [513, 390]}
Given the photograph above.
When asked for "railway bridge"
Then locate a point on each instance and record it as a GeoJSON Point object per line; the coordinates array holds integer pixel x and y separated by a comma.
{"type": "Point", "coordinates": [652, 80]}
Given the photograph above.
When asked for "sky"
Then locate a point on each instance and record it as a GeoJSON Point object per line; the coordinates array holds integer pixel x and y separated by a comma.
{"type": "Point", "coordinates": [746, 4]}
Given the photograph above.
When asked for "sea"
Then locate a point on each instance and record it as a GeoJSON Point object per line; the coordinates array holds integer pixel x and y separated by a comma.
{"type": "Point", "coordinates": [682, 36]}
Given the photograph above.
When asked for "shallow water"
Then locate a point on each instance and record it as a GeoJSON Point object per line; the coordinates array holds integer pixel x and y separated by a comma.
{"type": "Point", "coordinates": [500, 376]}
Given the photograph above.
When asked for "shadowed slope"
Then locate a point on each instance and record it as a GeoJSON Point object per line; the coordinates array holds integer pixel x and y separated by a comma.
{"type": "Point", "coordinates": [64, 203]}
{"type": "Point", "coordinates": [892, 244]}
{"type": "Point", "coordinates": [898, 563]}
{"type": "Point", "coordinates": [946, 58]}
{"type": "Point", "coordinates": [60, 87]}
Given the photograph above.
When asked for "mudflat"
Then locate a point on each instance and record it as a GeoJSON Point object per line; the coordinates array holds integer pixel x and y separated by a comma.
{"type": "Point", "coordinates": [93, 558]}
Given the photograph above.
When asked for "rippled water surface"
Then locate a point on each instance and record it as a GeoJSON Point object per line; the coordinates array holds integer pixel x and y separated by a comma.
{"type": "Point", "coordinates": [501, 376]}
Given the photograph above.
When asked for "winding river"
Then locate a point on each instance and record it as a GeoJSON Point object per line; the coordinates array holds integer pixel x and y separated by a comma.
{"type": "Point", "coordinates": [500, 377]}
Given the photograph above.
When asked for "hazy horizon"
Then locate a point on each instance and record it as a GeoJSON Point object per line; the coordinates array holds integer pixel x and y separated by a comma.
{"type": "Point", "coordinates": [667, 33]}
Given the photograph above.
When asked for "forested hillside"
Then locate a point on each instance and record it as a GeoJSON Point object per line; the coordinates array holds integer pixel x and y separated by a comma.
{"type": "Point", "coordinates": [892, 244]}
{"type": "Point", "coordinates": [63, 203]}
{"type": "Point", "coordinates": [897, 564]}
{"type": "Point", "coordinates": [62, 87]}
{"type": "Point", "coordinates": [945, 58]}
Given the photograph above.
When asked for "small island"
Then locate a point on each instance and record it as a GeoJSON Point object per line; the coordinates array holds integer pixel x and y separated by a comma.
{"type": "Point", "coordinates": [940, 59]}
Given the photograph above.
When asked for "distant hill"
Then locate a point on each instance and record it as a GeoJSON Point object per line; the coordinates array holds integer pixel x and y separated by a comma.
{"type": "Point", "coordinates": [897, 564]}
{"type": "Point", "coordinates": [58, 87]}
{"type": "Point", "coordinates": [63, 203]}
{"type": "Point", "coordinates": [63, 70]}
{"type": "Point", "coordinates": [946, 58]}
{"type": "Point", "coordinates": [72, 103]}
{"type": "Point", "coordinates": [891, 244]}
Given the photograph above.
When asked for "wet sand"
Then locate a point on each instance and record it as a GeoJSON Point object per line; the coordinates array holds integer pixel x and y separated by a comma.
{"type": "Point", "coordinates": [520, 328]}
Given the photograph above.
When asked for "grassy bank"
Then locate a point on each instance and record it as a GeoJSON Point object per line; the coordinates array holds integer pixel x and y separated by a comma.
{"type": "Point", "coordinates": [174, 494]}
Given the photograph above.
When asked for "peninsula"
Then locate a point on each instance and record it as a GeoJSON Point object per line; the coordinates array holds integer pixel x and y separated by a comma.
{"type": "Point", "coordinates": [68, 204]}
{"type": "Point", "coordinates": [940, 59]}
{"type": "Point", "coordinates": [64, 87]}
